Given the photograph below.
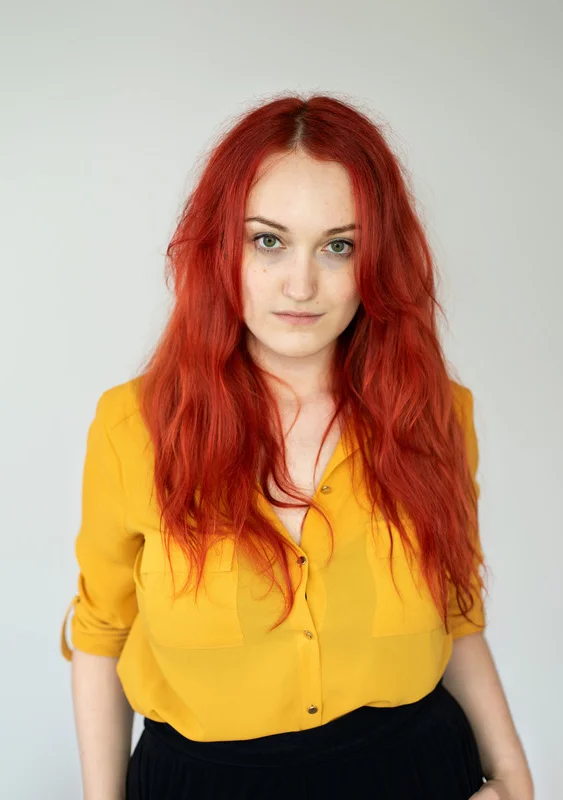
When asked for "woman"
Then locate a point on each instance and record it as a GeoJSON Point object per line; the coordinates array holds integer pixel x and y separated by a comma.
{"type": "Point", "coordinates": [280, 566]}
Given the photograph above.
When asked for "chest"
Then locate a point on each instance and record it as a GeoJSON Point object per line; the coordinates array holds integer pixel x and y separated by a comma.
{"type": "Point", "coordinates": [302, 447]}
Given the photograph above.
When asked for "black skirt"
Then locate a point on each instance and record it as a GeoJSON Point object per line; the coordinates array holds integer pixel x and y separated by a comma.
{"type": "Point", "coordinates": [420, 751]}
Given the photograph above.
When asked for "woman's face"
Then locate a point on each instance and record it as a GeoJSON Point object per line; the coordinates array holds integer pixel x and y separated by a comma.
{"type": "Point", "coordinates": [302, 266]}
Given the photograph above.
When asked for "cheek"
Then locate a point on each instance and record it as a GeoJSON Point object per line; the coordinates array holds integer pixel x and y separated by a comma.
{"type": "Point", "coordinates": [347, 303]}
{"type": "Point", "coordinates": [255, 292]}
{"type": "Point", "coordinates": [355, 302]}
{"type": "Point", "coordinates": [346, 295]}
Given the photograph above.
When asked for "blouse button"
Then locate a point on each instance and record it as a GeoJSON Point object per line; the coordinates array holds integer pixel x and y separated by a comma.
{"type": "Point", "coordinates": [308, 634]}
{"type": "Point", "coordinates": [302, 559]}
{"type": "Point", "coordinates": [312, 709]}
{"type": "Point", "coordinates": [326, 489]}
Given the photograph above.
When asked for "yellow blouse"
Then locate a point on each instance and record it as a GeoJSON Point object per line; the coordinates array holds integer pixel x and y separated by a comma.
{"type": "Point", "coordinates": [212, 670]}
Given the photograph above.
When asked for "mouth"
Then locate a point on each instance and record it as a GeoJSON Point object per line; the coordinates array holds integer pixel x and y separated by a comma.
{"type": "Point", "coordinates": [298, 319]}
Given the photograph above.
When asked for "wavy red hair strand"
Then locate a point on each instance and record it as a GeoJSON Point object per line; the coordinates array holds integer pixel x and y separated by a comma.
{"type": "Point", "coordinates": [212, 418]}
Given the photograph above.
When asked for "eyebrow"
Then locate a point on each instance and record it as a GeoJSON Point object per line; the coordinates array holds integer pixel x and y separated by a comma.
{"type": "Point", "coordinates": [280, 227]}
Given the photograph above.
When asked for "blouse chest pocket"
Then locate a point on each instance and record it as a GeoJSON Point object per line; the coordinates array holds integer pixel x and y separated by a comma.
{"type": "Point", "coordinates": [414, 610]}
{"type": "Point", "coordinates": [212, 620]}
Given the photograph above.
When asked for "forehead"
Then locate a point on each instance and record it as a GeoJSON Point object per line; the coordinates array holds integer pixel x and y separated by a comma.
{"type": "Point", "coordinates": [287, 186]}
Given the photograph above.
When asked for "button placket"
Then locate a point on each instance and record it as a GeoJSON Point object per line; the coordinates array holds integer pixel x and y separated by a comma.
{"type": "Point", "coordinates": [302, 560]}
{"type": "Point", "coordinates": [312, 669]}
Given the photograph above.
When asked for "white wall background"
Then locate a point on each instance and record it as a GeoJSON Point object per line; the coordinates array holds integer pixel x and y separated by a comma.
{"type": "Point", "coordinates": [106, 108]}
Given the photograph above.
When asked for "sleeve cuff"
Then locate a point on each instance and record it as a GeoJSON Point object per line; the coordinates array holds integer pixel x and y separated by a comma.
{"type": "Point", "coordinates": [89, 642]}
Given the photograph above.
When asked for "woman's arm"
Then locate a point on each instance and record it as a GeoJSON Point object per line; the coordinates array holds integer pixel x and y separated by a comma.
{"type": "Point", "coordinates": [104, 721]}
{"type": "Point", "coordinates": [105, 605]}
{"type": "Point", "coordinates": [472, 678]}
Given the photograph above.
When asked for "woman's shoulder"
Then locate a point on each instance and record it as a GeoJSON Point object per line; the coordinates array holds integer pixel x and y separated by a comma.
{"type": "Point", "coordinates": [462, 397]}
{"type": "Point", "coordinates": [117, 403]}
{"type": "Point", "coordinates": [118, 409]}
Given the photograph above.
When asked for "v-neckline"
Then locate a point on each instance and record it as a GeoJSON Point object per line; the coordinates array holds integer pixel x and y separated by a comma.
{"type": "Point", "coordinates": [339, 454]}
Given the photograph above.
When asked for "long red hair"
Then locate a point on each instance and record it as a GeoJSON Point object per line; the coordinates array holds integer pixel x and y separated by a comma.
{"type": "Point", "coordinates": [210, 413]}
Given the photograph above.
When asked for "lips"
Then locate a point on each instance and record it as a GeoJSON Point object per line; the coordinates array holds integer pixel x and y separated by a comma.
{"type": "Point", "coordinates": [298, 319]}
{"type": "Point", "coordinates": [291, 314]}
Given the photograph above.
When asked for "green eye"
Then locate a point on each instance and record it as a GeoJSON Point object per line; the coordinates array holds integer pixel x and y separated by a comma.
{"type": "Point", "coordinates": [267, 236]}
{"type": "Point", "coordinates": [339, 243]}
{"type": "Point", "coordinates": [270, 239]}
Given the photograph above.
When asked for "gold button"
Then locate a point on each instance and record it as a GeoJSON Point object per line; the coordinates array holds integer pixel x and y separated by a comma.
{"type": "Point", "coordinates": [312, 709]}
{"type": "Point", "coordinates": [326, 489]}
{"type": "Point", "coordinates": [308, 634]}
{"type": "Point", "coordinates": [302, 559]}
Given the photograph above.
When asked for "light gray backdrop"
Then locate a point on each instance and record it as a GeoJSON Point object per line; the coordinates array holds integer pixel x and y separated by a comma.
{"type": "Point", "coordinates": [106, 108]}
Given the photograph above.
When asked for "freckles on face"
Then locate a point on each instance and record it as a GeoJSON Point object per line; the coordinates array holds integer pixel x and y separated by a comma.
{"type": "Point", "coordinates": [298, 281]}
{"type": "Point", "coordinates": [258, 287]}
{"type": "Point", "coordinates": [293, 258]}
{"type": "Point", "coordinates": [336, 303]}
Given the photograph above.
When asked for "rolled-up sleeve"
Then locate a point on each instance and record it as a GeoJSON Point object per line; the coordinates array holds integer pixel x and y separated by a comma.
{"type": "Point", "coordinates": [105, 604]}
{"type": "Point", "coordinates": [458, 624]}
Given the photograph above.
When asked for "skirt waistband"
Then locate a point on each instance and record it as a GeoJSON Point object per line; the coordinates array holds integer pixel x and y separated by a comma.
{"type": "Point", "coordinates": [359, 728]}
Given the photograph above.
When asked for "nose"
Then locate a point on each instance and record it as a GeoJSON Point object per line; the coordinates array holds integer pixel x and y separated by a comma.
{"type": "Point", "coordinates": [300, 282]}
